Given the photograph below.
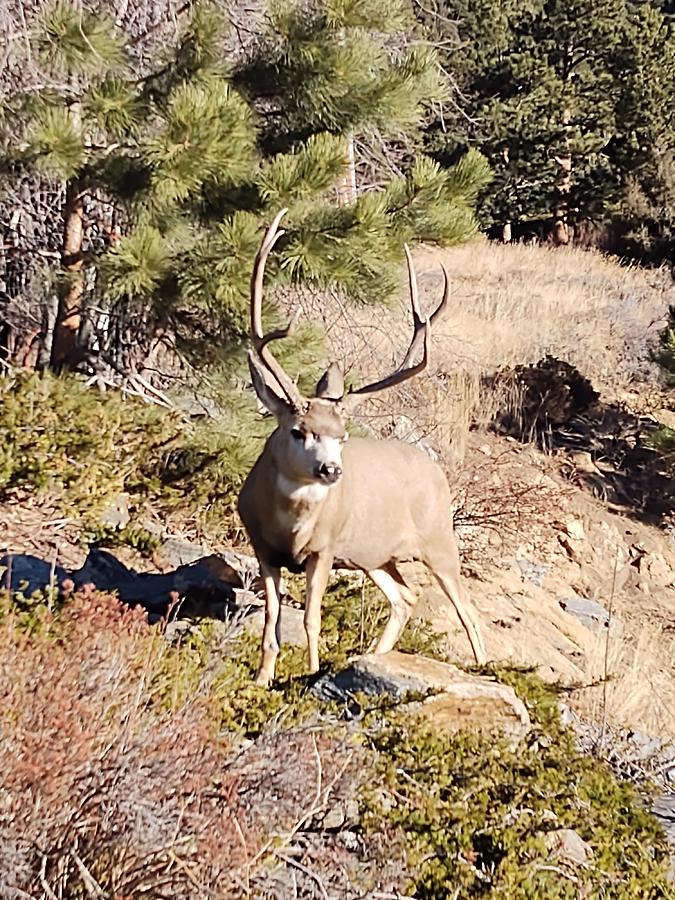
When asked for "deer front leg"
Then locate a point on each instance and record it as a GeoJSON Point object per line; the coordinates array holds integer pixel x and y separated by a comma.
{"type": "Point", "coordinates": [271, 638]}
{"type": "Point", "coordinates": [317, 571]}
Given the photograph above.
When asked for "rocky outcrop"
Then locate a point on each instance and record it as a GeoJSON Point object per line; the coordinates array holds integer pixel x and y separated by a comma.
{"type": "Point", "coordinates": [453, 700]}
{"type": "Point", "coordinates": [210, 586]}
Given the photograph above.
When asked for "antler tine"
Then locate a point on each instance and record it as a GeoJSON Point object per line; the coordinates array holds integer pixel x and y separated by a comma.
{"type": "Point", "coordinates": [418, 334]}
{"type": "Point", "coordinates": [272, 235]}
{"type": "Point", "coordinates": [412, 287]}
{"type": "Point", "coordinates": [279, 333]}
{"type": "Point", "coordinates": [258, 338]}
{"type": "Point", "coordinates": [421, 333]}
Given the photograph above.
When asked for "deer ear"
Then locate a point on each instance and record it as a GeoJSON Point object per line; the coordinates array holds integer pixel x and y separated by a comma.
{"type": "Point", "coordinates": [331, 385]}
{"type": "Point", "coordinates": [268, 393]}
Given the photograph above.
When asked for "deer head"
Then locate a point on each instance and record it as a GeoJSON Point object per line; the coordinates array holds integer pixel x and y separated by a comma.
{"type": "Point", "coordinates": [312, 430]}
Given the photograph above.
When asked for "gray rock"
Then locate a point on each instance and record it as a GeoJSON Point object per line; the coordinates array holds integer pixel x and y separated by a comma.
{"type": "Point", "coordinates": [664, 810]}
{"type": "Point", "coordinates": [591, 614]}
{"type": "Point", "coordinates": [566, 845]}
{"type": "Point", "coordinates": [461, 702]}
{"type": "Point", "coordinates": [350, 842]}
{"type": "Point", "coordinates": [29, 574]}
{"type": "Point", "coordinates": [341, 814]}
{"type": "Point", "coordinates": [199, 586]}
{"type": "Point", "coordinates": [154, 527]}
{"type": "Point", "coordinates": [292, 625]}
{"type": "Point", "coordinates": [178, 552]}
{"type": "Point", "coordinates": [532, 572]}
{"type": "Point", "coordinates": [116, 514]}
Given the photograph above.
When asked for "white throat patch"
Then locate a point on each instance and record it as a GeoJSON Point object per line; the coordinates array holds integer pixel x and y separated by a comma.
{"type": "Point", "coordinates": [298, 491]}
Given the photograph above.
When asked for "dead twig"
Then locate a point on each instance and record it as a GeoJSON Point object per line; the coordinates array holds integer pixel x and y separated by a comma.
{"type": "Point", "coordinates": [92, 887]}
{"type": "Point", "coordinates": [43, 880]}
{"type": "Point", "coordinates": [308, 872]}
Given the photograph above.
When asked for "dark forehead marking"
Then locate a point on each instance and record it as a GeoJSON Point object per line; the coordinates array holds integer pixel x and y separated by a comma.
{"type": "Point", "coordinates": [323, 418]}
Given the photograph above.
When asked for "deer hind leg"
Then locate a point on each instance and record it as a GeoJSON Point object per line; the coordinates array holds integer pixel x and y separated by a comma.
{"type": "Point", "coordinates": [271, 639]}
{"type": "Point", "coordinates": [401, 601]}
{"type": "Point", "coordinates": [445, 568]}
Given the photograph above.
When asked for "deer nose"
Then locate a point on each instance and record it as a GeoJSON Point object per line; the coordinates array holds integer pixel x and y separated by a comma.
{"type": "Point", "coordinates": [328, 472]}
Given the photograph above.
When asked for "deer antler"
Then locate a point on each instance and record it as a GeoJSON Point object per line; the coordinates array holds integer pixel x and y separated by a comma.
{"type": "Point", "coordinates": [421, 334]}
{"type": "Point", "coordinates": [260, 340]}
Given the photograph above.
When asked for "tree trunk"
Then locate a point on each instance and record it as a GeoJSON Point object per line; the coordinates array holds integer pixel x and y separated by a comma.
{"type": "Point", "coordinates": [561, 229]}
{"type": "Point", "coordinates": [49, 315]}
{"type": "Point", "coordinates": [347, 185]}
{"type": "Point", "coordinates": [69, 314]}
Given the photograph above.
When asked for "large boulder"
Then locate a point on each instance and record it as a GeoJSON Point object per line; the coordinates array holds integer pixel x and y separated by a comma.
{"type": "Point", "coordinates": [454, 700]}
{"type": "Point", "coordinates": [210, 586]}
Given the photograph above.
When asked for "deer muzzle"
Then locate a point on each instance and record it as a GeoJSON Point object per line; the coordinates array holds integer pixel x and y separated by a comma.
{"type": "Point", "coordinates": [327, 473]}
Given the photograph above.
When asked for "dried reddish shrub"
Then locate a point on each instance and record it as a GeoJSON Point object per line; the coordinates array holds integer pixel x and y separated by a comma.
{"type": "Point", "coordinates": [115, 784]}
{"type": "Point", "coordinates": [103, 783]}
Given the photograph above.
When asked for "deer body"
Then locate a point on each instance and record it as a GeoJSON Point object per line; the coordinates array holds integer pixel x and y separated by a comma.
{"type": "Point", "coordinates": [376, 492]}
{"type": "Point", "coordinates": [314, 500]}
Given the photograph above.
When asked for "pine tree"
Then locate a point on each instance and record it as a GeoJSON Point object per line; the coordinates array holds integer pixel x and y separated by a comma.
{"type": "Point", "coordinates": [566, 99]}
{"type": "Point", "coordinates": [197, 156]}
{"type": "Point", "coordinates": [77, 52]}
{"type": "Point", "coordinates": [645, 150]}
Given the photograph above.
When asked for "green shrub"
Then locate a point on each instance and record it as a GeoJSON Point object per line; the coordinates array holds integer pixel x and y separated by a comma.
{"type": "Point", "coordinates": [83, 447]}
{"type": "Point", "coordinates": [225, 667]}
{"type": "Point", "coordinates": [475, 812]}
{"type": "Point", "coordinates": [469, 814]}
{"type": "Point", "coordinates": [665, 355]}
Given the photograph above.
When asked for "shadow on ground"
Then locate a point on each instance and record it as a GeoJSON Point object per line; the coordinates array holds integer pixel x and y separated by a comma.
{"type": "Point", "coordinates": [606, 448]}
{"type": "Point", "coordinates": [210, 587]}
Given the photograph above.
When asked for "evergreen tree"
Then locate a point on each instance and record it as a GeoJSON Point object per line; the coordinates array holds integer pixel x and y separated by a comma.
{"type": "Point", "coordinates": [196, 155]}
{"type": "Point", "coordinates": [645, 150]}
{"type": "Point", "coordinates": [567, 100]}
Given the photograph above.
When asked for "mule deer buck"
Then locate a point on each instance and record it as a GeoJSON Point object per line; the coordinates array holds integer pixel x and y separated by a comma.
{"type": "Point", "coordinates": [314, 501]}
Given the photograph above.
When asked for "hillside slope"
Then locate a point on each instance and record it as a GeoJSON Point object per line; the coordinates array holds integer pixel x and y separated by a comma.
{"type": "Point", "coordinates": [562, 513]}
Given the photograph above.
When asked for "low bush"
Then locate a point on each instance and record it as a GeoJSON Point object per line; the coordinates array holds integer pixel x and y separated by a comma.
{"type": "Point", "coordinates": [83, 447]}
{"type": "Point", "coordinates": [101, 786]}
{"type": "Point", "coordinates": [476, 814]}
{"type": "Point", "coordinates": [123, 774]}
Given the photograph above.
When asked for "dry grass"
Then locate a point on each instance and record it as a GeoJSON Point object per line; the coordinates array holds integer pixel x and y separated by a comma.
{"type": "Point", "coordinates": [509, 305]}
{"type": "Point", "coordinates": [515, 304]}
{"type": "Point", "coordinates": [632, 681]}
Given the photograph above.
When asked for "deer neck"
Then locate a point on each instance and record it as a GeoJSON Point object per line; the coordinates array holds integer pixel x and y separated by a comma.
{"type": "Point", "coordinates": [297, 512]}
{"type": "Point", "coordinates": [299, 495]}
{"type": "Point", "coordinates": [297, 506]}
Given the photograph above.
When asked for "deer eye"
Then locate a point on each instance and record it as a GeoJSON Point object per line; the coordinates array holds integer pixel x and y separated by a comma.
{"type": "Point", "coordinates": [297, 434]}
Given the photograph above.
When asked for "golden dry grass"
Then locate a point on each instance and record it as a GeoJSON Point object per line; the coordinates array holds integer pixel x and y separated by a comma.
{"type": "Point", "coordinates": [509, 305]}
{"type": "Point", "coordinates": [639, 691]}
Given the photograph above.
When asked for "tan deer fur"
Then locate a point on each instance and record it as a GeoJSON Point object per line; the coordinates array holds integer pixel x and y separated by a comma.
{"type": "Point", "coordinates": [314, 501]}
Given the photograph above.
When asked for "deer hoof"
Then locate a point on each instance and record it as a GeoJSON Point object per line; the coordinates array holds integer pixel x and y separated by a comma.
{"type": "Point", "coordinates": [263, 679]}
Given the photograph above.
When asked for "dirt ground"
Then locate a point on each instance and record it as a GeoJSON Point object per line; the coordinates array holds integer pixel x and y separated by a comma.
{"type": "Point", "coordinates": [550, 544]}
